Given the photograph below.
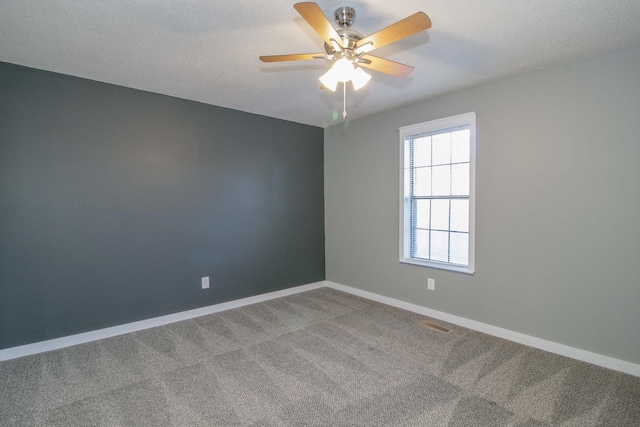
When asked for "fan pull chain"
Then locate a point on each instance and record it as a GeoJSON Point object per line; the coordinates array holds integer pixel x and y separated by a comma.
{"type": "Point", "coordinates": [344, 100]}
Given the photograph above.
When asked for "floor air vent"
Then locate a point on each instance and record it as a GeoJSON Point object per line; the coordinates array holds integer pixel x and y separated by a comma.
{"type": "Point", "coordinates": [441, 329]}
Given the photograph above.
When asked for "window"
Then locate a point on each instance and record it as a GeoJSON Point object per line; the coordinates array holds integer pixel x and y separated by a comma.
{"type": "Point", "coordinates": [437, 188]}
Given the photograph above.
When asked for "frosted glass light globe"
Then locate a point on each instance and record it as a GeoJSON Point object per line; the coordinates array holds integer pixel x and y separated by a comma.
{"type": "Point", "coordinates": [343, 69]}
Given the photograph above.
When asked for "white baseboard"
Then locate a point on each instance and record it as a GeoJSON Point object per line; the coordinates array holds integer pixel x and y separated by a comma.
{"type": "Point", "coordinates": [57, 343]}
{"type": "Point", "coordinates": [542, 344]}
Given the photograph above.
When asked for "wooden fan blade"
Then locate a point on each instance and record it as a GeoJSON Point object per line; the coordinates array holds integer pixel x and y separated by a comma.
{"type": "Point", "coordinates": [386, 66]}
{"type": "Point", "coordinates": [293, 57]}
{"type": "Point", "coordinates": [409, 26]}
{"type": "Point", "coordinates": [313, 15]}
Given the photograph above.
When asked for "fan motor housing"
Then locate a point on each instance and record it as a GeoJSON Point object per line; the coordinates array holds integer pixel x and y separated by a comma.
{"type": "Point", "coordinates": [349, 39]}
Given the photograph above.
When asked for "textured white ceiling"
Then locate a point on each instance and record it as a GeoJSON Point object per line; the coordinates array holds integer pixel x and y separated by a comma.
{"type": "Point", "coordinates": [208, 50]}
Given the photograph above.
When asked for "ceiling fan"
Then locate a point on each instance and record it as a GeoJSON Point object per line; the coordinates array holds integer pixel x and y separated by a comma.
{"type": "Point", "coordinates": [348, 50]}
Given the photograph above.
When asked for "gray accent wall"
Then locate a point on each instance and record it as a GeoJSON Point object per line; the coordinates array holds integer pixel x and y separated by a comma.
{"type": "Point", "coordinates": [114, 203]}
{"type": "Point", "coordinates": [558, 205]}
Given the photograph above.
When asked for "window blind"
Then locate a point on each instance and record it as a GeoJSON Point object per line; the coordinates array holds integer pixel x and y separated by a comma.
{"type": "Point", "coordinates": [438, 195]}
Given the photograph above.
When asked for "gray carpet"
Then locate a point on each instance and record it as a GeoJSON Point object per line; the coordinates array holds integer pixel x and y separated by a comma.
{"type": "Point", "coordinates": [322, 358]}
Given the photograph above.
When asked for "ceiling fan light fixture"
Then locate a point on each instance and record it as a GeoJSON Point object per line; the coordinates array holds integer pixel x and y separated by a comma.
{"type": "Point", "coordinates": [360, 78]}
{"type": "Point", "coordinates": [348, 49]}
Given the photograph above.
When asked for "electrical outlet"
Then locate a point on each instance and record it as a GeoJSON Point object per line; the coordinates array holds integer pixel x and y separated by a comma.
{"type": "Point", "coordinates": [205, 282]}
{"type": "Point", "coordinates": [431, 284]}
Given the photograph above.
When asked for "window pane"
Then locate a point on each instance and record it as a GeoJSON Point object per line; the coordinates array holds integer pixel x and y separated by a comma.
{"type": "Point", "coordinates": [439, 246]}
{"type": "Point", "coordinates": [459, 248]}
{"type": "Point", "coordinates": [423, 212]}
{"type": "Point", "coordinates": [460, 146]}
{"type": "Point", "coordinates": [442, 180]}
{"type": "Point", "coordinates": [422, 244]}
{"type": "Point", "coordinates": [460, 179]}
{"type": "Point", "coordinates": [460, 215]}
{"type": "Point", "coordinates": [422, 182]}
{"type": "Point", "coordinates": [440, 214]}
{"type": "Point", "coordinates": [422, 151]}
{"type": "Point", "coordinates": [441, 148]}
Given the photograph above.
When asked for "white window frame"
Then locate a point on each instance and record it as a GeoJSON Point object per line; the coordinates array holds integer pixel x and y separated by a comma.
{"type": "Point", "coordinates": [434, 126]}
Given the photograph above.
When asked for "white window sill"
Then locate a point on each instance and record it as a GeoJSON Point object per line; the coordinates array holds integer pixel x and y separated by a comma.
{"type": "Point", "coordinates": [439, 265]}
